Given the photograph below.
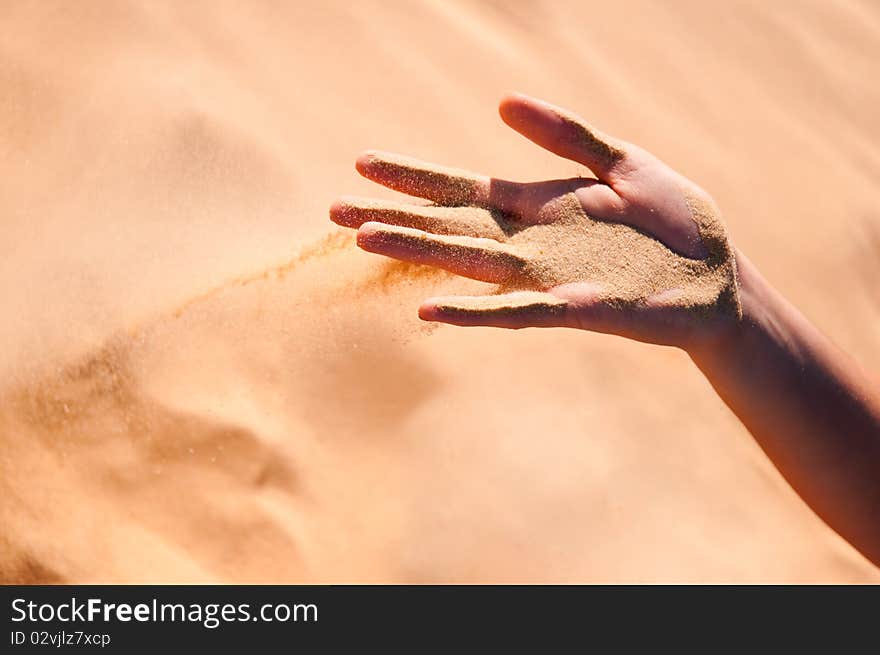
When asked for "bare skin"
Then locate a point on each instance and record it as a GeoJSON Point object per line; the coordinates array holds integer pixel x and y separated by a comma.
{"type": "Point", "coordinates": [812, 409]}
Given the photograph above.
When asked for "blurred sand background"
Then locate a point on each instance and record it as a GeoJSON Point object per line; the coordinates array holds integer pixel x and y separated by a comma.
{"type": "Point", "coordinates": [203, 381]}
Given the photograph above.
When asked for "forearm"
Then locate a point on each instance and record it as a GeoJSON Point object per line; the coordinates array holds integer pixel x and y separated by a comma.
{"type": "Point", "coordinates": [811, 409]}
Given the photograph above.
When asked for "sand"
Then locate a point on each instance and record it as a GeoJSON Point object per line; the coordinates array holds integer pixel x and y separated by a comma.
{"type": "Point", "coordinates": [565, 245]}
{"type": "Point", "coordinates": [189, 396]}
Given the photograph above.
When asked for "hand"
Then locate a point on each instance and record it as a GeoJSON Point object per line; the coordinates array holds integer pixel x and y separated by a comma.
{"type": "Point", "coordinates": [639, 251]}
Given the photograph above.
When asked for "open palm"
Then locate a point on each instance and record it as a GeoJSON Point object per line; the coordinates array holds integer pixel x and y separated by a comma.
{"type": "Point", "coordinates": [638, 251]}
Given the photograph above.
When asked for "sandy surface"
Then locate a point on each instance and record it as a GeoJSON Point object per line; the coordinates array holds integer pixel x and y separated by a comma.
{"type": "Point", "coordinates": [203, 381]}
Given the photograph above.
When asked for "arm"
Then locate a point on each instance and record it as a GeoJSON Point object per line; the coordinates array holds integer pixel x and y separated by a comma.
{"type": "Point", "coordinates": [640, 252]}
{"type": "Point", "coordinates": [809, 406]}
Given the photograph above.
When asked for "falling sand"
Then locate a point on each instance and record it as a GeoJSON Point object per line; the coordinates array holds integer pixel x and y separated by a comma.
{"type": "Point", "coordinates": [122, 400]}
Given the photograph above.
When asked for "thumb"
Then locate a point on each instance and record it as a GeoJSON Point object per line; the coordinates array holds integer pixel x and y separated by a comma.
{"type": "Point", "coordinates": [563, 133]}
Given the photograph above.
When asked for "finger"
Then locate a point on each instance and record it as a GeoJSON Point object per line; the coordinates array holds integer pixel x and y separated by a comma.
{"type": "Point", "coordinates": [477, 258]}
{"type": "Point", "coordinates": [456, 187]}
{"type": "Point", "coordinates": [441, 184]}
{"type": "Point", "coordinates": [563, 133]}
{"type": "Point", "coordinates": [466, 221]}
{"type": "Point", "coordinates": [508, 310]}
{"type": "Point", "coordinates": [662, 318]}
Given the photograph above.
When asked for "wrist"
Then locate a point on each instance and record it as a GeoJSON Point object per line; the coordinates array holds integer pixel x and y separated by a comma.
{"type": "Point", "coordinates": [728, 337]}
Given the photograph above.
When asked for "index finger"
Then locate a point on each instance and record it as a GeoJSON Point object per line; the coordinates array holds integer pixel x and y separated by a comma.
{"type": "Point", "coordinates": [441, 184]}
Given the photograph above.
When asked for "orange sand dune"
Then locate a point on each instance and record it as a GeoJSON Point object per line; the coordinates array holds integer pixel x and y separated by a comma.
{"type": "Point", "coordinates": [204, 381]}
